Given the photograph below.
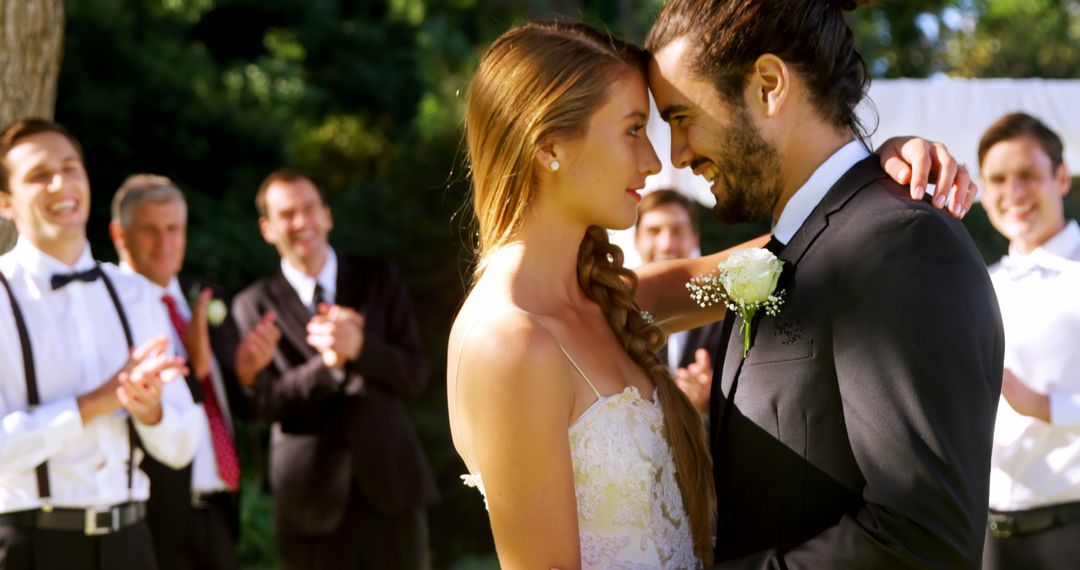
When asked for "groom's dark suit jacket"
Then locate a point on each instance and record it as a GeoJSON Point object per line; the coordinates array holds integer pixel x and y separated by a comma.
{"type": "Point", "coordinates": [331, 439]}
{"type": "Point", "coordinates": [857, 432]}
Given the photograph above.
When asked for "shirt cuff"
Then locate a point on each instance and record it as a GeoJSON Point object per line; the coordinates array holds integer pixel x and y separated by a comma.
{"type": "Point", "coordinates": [1064, 408]}
{"type": "Point", "coordinates": [62, 418]}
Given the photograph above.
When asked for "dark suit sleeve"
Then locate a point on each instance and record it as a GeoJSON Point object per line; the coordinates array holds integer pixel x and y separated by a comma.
{"type": "Point", "coordinates": [392, 359]}
{"type": "Point", "coordinates": [918, 347]}
{"type": "Point", "coordinates": [282, 390]}
{"type": "Point", "coordinates": [224, 339]}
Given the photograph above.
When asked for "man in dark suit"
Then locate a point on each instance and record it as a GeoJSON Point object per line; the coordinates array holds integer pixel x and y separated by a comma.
{"type": "Point", "coordinates": [193, 512]}
{"type": "Point", "coordinates": [856, 432]}
{"type": "Point", "coordinates": [667, 228]}
{"type": "Point", "coordinates": [350, 481]}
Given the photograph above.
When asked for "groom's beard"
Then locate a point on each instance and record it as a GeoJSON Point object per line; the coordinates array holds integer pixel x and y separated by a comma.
{"type": "Point", "coordinates": [750, 171]}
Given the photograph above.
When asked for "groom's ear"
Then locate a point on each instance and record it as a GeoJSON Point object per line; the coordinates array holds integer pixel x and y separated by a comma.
{"type": "Point", "coordinates": [769, 85]}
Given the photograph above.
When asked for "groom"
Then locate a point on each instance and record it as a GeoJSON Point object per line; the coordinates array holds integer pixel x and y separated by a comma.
{"type": "Point", "coordinates": [856, 432]}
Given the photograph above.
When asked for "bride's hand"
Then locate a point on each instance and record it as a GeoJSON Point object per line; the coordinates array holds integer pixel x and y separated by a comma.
{"type": "Point", "coordinates": [913, 161]}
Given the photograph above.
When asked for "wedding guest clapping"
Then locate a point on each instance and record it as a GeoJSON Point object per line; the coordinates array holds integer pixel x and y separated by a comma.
{"type": "Point", "coordinates": [193, 512]}
{"type": "Point", "coordinates": [350, 480]}
{"type": "Point", "coordinates": [87, 371]}
{"type": "Point", "coordinates": [667, 229]}
{"type": "Point", "coordinates": [1035, 477]}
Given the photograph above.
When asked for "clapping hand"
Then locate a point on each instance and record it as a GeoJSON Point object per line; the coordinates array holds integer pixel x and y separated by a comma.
{"type": "Point", "coordinates": [256, 349]}
{"type": "Point", "coordinates": [695, 380]}
{"type": "Point", "coordinates": [913, 161]}
{"type": "Point", "coordinates": [337, 333]}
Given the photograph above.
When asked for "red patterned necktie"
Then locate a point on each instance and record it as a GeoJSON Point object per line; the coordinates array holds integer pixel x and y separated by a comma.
{"type": "Point", "coordinates": [224, 451]}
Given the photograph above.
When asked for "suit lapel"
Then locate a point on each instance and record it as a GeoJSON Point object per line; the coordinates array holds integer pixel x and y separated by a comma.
{"type": "Point", "coordinates": [855, 179]}
{"type": "Point", "coordinates": [292, 316]}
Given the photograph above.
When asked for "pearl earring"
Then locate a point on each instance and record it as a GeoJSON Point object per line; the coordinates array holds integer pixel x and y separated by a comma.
{"type": "Point", "coordinates": [554, 166]}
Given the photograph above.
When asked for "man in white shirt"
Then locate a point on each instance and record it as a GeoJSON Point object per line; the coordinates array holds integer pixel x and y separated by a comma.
{"type": "Point", "coordinates": [1035, 476]}
{"type": "Point", "coordinates": [87, 370]}
{"type": "Point", "coordinates": [193, 513]}
{"type": "Point", "coordinates": [667, 229]}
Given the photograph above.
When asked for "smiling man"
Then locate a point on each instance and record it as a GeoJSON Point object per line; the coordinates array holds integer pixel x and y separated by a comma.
{"type": "Point", "coordinates": [193, 513]}
{"type": "Point", "coordinates": [1035, 476]}
{"type": "Point", "coordinates": [86, 368]}
{"type": "Point", "coordinates": [350, 480]}
{"type": "Point", "coordinates": [856, 431]}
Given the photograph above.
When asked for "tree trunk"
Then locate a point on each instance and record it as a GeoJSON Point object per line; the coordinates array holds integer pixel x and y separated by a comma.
{"type": "Point", "coordinates": [31, 45]}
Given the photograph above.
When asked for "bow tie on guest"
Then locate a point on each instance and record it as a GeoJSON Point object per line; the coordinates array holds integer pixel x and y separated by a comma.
{"type": "Point", "coordinates": [61, 279]}
{"type": "Point", "coordinates": [1047, 265]}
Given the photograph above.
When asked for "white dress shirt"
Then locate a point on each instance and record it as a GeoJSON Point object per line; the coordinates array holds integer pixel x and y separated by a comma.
{"type": "Point", "coordinates": [205, 477]}
{"type": "Point", "coordinates": [1034, 463]}
{"type": "Point", "coordinates": [813, 191]}
{"type": "Point", "coordinates": [78, 344]}
{"type": "Point", "coordinates": [304, 284]}
{"type": "Point", "coordinates": [676, 344]}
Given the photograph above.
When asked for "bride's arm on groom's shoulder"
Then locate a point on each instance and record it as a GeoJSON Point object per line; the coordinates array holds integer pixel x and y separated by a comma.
{"type": "Point", "coordinates": [915, 162]}
{"type": "Point", "coordinates": [513, 407]}
{"type": "Point", "coordinates": [662, 289]}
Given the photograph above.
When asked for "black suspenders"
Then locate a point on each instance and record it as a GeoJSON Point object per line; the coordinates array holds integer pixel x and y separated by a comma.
{"type": "Point", "coordinates": [34, 399]}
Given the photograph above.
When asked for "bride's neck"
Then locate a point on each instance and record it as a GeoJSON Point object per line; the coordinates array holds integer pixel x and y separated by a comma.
{"type": "Point", "coordinates": [541, 264]}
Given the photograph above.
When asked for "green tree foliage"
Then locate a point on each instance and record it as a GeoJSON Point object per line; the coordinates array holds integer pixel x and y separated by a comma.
{"type": "Point", "coordinates": [1017, 38]}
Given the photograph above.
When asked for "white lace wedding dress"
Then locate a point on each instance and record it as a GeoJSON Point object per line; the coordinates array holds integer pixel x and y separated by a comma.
{"type": "Point", "coordinates": [630, 510]}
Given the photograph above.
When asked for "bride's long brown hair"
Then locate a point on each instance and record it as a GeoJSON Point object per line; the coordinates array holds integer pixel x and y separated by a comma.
{"type": "Point", "coordinates": [542, 82]}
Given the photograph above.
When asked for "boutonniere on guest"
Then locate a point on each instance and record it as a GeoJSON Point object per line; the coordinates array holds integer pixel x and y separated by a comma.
{"type": "Point", "coordinates": [216, 309]}
{"type": "Point", "coordinates": [745, 282]}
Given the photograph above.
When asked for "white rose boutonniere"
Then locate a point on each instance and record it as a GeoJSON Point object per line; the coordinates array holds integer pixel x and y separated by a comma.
{"type": "Point", "coordinates": [216, 309]}
{"type": "Point", "coordinates": [745, 282]}
{"type": "Point", "coordinates": [216, 312]}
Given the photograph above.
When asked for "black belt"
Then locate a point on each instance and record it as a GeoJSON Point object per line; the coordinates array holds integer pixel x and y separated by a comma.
{"type": "Point", "coordinates": [92, 521]}
{"type": "Point", "coordinates": [206, 499]}
{"type": "Point", "coordinates": [1006, 524]}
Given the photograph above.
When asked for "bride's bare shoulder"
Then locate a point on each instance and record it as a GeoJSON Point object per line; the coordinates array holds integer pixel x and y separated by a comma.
{"type": "Point", "coordinates": [506, 349]}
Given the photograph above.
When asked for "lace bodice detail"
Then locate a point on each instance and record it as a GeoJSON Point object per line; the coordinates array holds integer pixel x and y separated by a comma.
{"type": "Point", "coordinates": [630, 510]}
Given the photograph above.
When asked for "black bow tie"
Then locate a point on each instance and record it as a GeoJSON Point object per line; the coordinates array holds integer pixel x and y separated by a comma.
{"type": "Point", "coordinates": [61, 279]}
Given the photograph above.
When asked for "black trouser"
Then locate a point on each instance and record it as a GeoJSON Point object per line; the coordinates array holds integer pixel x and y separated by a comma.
{"type": "Point", "coordinates": [365, 540]}
{"type": "Point", "coordinates": [206, 543]}
{"type": "Point", "coordinates": [37, 549]}
{"type": "Point", "coordinates": [1057, 547]}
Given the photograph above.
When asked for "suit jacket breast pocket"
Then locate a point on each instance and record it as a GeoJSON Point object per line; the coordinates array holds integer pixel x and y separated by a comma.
{"type": "Point", "coordinates": [770, 351]}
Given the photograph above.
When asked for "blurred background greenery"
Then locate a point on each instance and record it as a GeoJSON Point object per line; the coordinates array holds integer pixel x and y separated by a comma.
{"type": "Point", "coordinates": [366, 96]}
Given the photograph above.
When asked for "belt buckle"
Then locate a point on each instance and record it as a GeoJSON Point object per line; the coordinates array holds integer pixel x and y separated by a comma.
{"type": "Point", "coordinates": [1002, 526]}
{"type": "Point", "coordinates": [91, 526]}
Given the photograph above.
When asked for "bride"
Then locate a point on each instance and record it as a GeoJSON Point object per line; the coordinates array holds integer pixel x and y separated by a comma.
{"type": "Point", "coordinates": [588, 454]}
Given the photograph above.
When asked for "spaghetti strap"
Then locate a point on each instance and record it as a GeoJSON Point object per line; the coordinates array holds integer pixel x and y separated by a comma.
{"type": "Point", "coordinates": [570, 358]}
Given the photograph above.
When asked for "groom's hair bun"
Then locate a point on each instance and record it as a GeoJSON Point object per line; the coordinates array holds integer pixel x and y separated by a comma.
{"type": "Point", "coordinates": [725, 38]}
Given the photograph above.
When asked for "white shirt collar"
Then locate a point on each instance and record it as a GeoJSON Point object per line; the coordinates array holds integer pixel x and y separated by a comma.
{"type": "Point", "coordinates": [1063, 244]}
{"type": "Point", "coordinates": [810, 194]}
{"type": "Point", "coordinates": [41, 265]}
{"type": "Point", "coordinates": [304, 284]}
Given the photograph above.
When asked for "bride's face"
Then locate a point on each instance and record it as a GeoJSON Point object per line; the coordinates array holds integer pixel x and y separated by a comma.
{"type": "Point", "coordinates": [601, 175]}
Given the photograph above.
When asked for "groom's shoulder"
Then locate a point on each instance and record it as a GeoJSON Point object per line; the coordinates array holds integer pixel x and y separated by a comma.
{"type": "Point", "coordinates": [884, 207]}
